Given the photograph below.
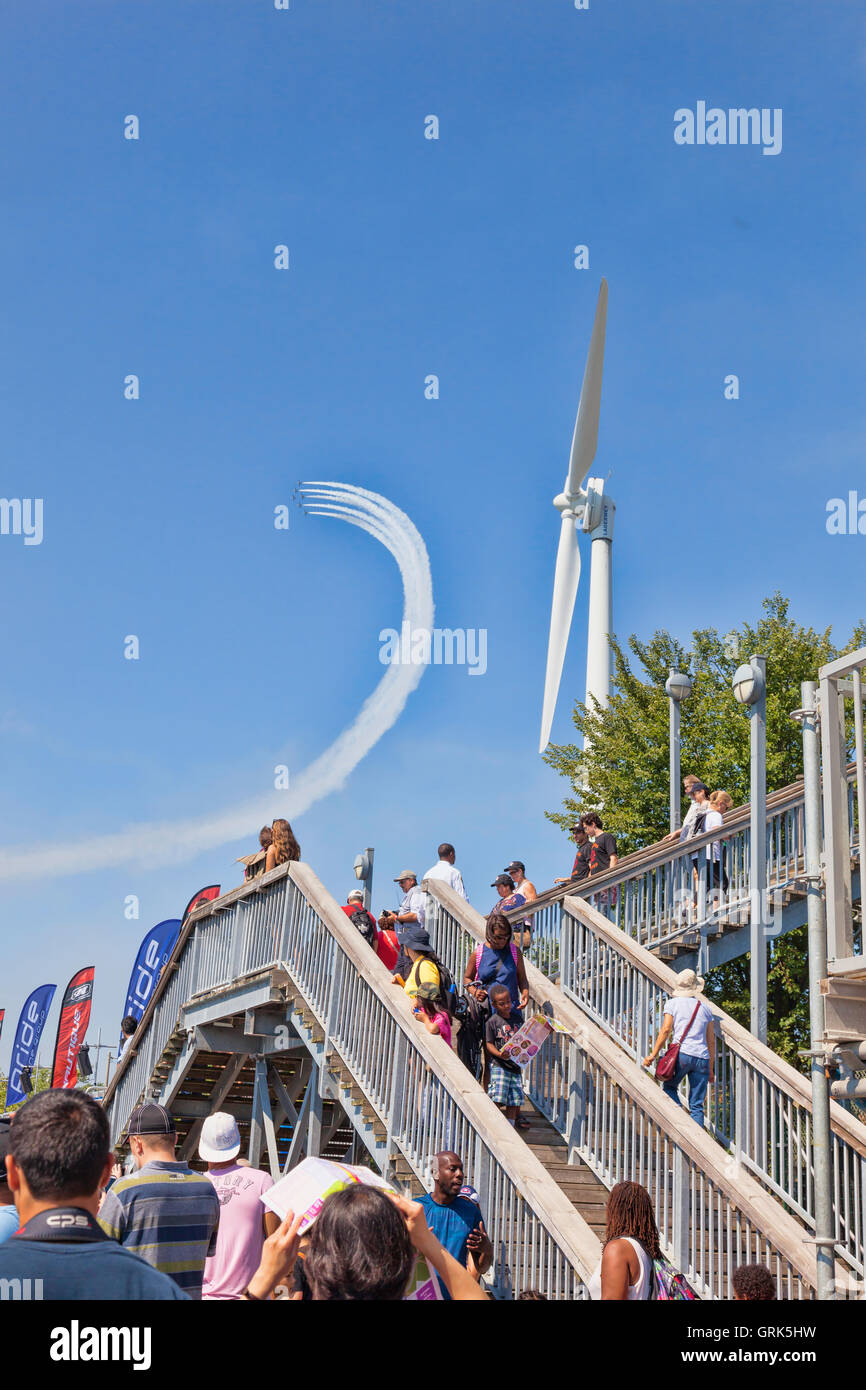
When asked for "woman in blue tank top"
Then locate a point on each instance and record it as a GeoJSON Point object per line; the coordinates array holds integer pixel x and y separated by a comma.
{"type": "Point", "coordinates": [498, 962]}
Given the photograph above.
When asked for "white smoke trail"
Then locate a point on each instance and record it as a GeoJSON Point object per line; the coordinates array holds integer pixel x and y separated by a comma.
{"type": "Point", "coordinates": [175, 841]}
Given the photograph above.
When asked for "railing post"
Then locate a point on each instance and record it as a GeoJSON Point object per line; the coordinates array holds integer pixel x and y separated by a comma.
{"type": "Point", "coordinates": [641, 1004]}
{"type": "Point", "coordinates": [575, 1132]}
{"type": "Point", "coordinates": [333, 997]}
{"type": "Point", "coordinates": [400, 1065]}
{"type": "Point", "coordinates": [740, 1117]}
{"type": "Point", "coordinates": [151, 1048]}
{"type": "Point", "coordinates": [196, 953]}
{"type": "Point", "coordinates": [282, 935]}
{"type": "Point", "coordinates": [238, 932]}
{"type": "Point", "coordinates": [681, 1212]}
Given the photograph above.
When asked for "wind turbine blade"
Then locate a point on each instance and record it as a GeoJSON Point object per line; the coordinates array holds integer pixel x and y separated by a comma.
{"type": "Point", "coordinates": [565, 582]}
{"type": "Point", "coordinates": [585, 439]}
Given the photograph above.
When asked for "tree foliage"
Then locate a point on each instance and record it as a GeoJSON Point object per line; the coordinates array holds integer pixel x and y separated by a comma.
{"type": "Point", "coordinates": [622, 769]}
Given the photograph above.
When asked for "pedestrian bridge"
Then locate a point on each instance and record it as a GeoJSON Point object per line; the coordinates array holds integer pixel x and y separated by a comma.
{"type": "Point", "coordinates": [274, 1008]}
{"type": "Point", "coordinates": [652, 898]}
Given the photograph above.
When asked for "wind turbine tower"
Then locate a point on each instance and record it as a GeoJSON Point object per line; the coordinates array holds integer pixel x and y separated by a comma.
{"type": "Point", "coordinates": [583, 503]}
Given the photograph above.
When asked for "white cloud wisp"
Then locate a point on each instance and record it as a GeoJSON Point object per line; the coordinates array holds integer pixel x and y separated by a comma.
{"type": "Point", "coordinates": [164, 842]}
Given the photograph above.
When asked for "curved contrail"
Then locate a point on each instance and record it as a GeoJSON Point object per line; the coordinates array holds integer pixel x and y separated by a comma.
{"type": "Point", "coordinates": [165, 842]}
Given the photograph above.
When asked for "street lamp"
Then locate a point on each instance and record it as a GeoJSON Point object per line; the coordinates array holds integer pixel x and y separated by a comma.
{"type": "Point", "coordinates": [363, 867]}
{"type": "Point", "coordinates": [750, 689]}
{"type": "Point", "coordinates": [678, 688]}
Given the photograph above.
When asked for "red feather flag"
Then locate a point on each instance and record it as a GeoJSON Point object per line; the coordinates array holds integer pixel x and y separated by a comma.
{"type": "Point", "coordinates": [204, 895]}
{"type": "Point", "coordinates": [74, 1018]}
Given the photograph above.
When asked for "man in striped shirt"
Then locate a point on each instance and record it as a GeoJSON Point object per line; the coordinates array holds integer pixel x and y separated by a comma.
{"type": "Point", "coordinates": [166, 1213]}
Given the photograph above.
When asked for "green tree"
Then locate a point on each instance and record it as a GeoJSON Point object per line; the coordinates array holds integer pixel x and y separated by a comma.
{"type": "Point", "coordinates": [623, 767]}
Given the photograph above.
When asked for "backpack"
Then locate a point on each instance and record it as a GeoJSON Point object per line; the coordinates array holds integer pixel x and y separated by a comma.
{"type": "Point", "coordinates": [666, 1284]}
{"type": "Point", "coordinates": [448, 995]}
{"type": "Point", "coordinates": [479, 949]}
{"type": "Point", "coordinates": [366, 925]}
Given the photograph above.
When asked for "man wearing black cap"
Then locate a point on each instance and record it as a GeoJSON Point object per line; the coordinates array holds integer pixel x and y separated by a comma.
{"type": "Point", "coordinates": [8, 1214]}
{"type": "Point", "coordinates": [165, 1212]}
{"type": "Point", "coordinates": [58, 1162]}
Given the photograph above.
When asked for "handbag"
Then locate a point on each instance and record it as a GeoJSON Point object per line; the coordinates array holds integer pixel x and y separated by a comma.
{"type": "Point", "coordinates": [666, 1065]}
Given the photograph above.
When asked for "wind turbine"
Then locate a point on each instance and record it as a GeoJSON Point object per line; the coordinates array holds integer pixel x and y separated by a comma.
{"type": "Point", "coordinates": [584, 503]}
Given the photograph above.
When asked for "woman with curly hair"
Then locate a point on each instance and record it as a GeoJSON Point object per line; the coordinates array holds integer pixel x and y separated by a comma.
{"type": "Point", "coordinates": [631, 1243]}
{"type": "Point", "coordinates": [285, 847]}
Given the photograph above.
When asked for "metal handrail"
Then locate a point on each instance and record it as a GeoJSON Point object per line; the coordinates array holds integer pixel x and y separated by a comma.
{"type": "Point", "coordinates": [620, 1123]}
{"type": "Point", "coordinates": [418, 1088]}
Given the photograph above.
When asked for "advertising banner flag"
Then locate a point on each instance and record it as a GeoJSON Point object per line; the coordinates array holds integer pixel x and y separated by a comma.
{"type": "Point", "coordinates": [153, 956]}
{"type": "Point", "coordinates": [27, 1036]}
{"type": "Point", "coordinates": [204, 895]}
{"type": "Point", "coordinates": [74, 1018]}
{"type": "Point", "coordinates": [2, 1016]}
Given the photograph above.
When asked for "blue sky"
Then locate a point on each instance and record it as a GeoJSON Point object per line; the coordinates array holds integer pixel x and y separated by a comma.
{"type": "Point", "coordinates": [407, 257]}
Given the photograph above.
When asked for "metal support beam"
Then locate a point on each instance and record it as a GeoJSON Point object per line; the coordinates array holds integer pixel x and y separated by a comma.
{"type": "Point", "coordinates": [212, 1038]}
{"type": "Point", "coordinates": [821, 1136]}
{"type": "Point", "coordinates": [674, 771]}
{"type": "Point", "coordinates": [263, 1120]}
{"type": "Point", "coordinates": [283, 1097]}
{"type": "Point", "coordinates": [236, 999]}
{"type": "Point", "coordinates": [231, 1072]}
{"type": "Point", "coordinates": [299, 1135]}
{"type": "Point", "coordinates": [758, 865]}
{"type": "Point", "coordinates": [314, 1115]}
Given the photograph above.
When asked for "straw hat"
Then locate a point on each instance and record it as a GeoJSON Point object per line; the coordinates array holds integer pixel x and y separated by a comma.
{"type": "Point", "coordinates": [688, 985]}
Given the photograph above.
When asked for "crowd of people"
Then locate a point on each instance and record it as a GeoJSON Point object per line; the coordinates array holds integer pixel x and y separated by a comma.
{"type": "Point", "coordinates": [167, 1232]}
{"type": "Point", "coordinates": [478, 1022]}
{"type": "Point", "coordinates": [71, 1216]}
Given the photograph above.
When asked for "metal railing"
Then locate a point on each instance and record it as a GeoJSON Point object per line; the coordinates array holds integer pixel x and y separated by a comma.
{"type": "Point", "coordinates": [663, 891]}
{"type": "Point", "coordinates": [711, 1214]}
{"type": "Point", "coordinates": [759, 1107]}
{"type": "Point", "coordinates": [418, 1088]}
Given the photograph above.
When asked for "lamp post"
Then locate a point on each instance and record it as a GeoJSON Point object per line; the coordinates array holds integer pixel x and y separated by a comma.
{"type": "Point", "coordinates": [678, 688]}
{"type": "Point", "coordinates": [363, 867]}
{"type": "Point", "coordinates": [750, 689]}
{"type": "Point", "coordinates": [822, 1138]}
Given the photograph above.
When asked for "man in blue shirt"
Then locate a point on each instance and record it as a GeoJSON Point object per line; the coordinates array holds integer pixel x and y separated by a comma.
{"type": "Point", "coordinates": [59, 1160]}
{"type": "Point", "coordinates": [454, 1220]}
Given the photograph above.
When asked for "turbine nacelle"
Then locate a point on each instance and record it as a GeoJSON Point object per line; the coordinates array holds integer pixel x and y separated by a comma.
{"type": "Point", "coordinates": [598, 511]}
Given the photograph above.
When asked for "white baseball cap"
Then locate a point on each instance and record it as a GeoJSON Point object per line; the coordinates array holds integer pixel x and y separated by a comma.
{"type": "Point", "coordinates": [220, 1140]}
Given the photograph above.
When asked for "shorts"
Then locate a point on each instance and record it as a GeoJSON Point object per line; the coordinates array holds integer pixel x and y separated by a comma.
{"type": "Point", "coordinates": [506, 1087]}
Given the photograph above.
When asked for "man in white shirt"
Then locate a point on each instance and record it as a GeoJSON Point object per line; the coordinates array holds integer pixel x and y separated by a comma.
{"type": "Point", "coordinates": [410, 913]}
{"type": "Point", "coordinates": [446, 871]}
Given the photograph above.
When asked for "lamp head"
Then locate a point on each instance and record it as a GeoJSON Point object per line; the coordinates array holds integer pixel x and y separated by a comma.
{"type": "Point", "coordinates": [748, 684]}
{"type": "Point", "coordinates": [678, 686]}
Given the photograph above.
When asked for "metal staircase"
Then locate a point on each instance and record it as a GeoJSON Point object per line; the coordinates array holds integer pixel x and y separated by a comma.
{"type": "Point", "coordinates": [274, 1008]}
{"type": "Point", "coordinates": [716, 1206]}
